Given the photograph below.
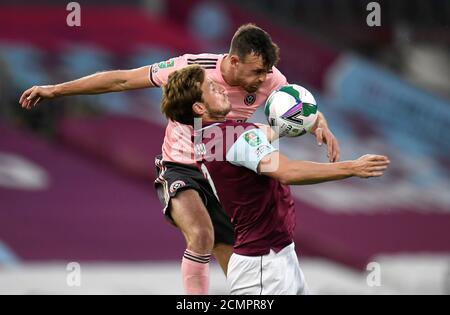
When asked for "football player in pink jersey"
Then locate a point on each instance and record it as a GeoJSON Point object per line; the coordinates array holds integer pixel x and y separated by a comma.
{"type": "Point", "coordinates": [248, 75]}
{"type": "Point", "coordinates": [250, 177]}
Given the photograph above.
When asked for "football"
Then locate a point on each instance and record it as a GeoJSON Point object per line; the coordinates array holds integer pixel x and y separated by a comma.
{"type": "Point", "coordinates": [291, 110]}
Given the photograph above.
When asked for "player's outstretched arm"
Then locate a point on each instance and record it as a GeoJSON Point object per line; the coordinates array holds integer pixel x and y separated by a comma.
{"type": "Point", "coordinates": [102, 82]}
{"type": "Point", "coordinates": [291, 172]}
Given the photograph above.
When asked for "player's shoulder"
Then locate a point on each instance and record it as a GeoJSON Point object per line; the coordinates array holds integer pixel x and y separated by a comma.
{"type": "Point", "coordinates": [202, 56]}
{"type": "Point", "coordinates": [274, 80]}
{"type": "Point", "coordinates": [275, 71]}
{"type": "Point", "coordinates": [275, 74]}
{"type": "Point", "coordinates": [206, 60]}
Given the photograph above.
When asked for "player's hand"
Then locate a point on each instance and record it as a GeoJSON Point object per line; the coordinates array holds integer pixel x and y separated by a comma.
{"type": "Point", "coordinates": [370, 165]}
{"type": "Point", "coordinates": [35, 94]}
{"type": "Point", "coordinates": [324, 135]}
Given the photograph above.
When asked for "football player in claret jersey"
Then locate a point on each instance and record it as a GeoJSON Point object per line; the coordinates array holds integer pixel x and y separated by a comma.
{"type": "Point", "coordinates": [250, 178]}
{"type": "Point", "coordinates": [248, 75]}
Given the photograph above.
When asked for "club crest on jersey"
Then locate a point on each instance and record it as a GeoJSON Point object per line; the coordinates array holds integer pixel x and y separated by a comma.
{"type": "Point", "coordinates": [252, 138]}
{"type": "Point", "coordinates": [250, 99]}
{"type": "Point", "coordinates": [176, 185]}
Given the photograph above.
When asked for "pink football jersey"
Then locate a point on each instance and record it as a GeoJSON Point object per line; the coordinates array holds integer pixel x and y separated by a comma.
{"type": "Point", "coordinates": [177, 146]}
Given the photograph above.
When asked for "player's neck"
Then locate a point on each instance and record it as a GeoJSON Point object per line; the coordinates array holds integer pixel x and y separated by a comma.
{"type": "Point", "coordinates": [212, 119]}
{"type": "Point", "coordinates": [226, 71]}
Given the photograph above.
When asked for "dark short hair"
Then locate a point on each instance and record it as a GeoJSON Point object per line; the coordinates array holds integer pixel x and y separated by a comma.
{"type": "Point", "coordinates": [249, 38]}
{"type": "Point", "coordinates": [181, 91]}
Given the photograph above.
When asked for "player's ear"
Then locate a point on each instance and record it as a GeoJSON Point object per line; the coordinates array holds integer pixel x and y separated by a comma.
{"type": "Point", "coordinates": [198, 108]}
{"type": "Point", "coordinates": [234, 60]}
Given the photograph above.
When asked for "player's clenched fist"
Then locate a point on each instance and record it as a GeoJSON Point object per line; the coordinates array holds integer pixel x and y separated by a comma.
{"type": "Point", "coordinates": [370, 165]}
{"type": "Point", "coordinates": [35, 94]}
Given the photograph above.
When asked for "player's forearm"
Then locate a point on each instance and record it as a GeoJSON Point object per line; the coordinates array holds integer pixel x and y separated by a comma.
{"type": "Point", "coordinates": [306, 173]}
{"type": "Point", "coordinates": [102, 82]}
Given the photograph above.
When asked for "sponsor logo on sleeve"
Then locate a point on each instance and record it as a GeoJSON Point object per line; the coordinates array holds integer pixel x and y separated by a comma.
{"type": "Point", "coordinates": [166, 64]}
{"type": "Point", "coordinates": [252, 138]}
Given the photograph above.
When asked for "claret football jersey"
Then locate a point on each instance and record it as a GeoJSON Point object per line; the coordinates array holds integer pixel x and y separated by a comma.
{"type": "Point", "coordinates": [261, 208]}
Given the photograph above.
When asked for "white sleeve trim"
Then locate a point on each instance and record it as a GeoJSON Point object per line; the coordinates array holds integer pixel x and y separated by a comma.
{"type": "Point", "coordinates": [249, 149]}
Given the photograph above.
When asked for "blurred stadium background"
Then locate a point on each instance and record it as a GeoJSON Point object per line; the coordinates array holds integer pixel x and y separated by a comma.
{"type": "Point", "coordinates": [76, 173]}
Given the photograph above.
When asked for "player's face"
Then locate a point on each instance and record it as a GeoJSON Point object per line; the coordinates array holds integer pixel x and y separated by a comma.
{"type": "Point", "coordinates": [215, 99]}
{"type": "Point", "coordinates": [251, 73]}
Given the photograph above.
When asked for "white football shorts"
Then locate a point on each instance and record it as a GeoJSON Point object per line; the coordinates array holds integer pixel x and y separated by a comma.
{"type": "Point", "coordinates": [271, 274]}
